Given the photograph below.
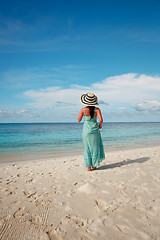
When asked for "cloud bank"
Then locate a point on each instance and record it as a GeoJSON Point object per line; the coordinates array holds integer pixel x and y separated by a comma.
{"type": "Point", "coordinates": [126, 97]}
{"type": "Point", "coordinates": [121, 91]}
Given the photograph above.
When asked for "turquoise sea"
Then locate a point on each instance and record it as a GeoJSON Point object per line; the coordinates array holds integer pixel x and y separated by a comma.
{"type": "Point", "coordinates": [23, 141]}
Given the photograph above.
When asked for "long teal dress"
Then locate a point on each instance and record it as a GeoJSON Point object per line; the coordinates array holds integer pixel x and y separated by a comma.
{"type": "Point", "coordinates": [93, 146]}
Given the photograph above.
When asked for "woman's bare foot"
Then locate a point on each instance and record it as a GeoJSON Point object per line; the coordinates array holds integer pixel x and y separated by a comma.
{"type": "Point", "coordinates": [93, 168]}
{"type": "Point", "coordinates": [89, 169]}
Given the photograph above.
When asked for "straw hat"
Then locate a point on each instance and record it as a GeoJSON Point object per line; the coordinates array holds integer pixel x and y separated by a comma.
{"type": "Point", "coordinates": [89, 99]}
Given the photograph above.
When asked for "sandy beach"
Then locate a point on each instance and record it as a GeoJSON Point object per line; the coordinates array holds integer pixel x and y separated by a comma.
{"type": "Point", "coordinates": [58, 199]}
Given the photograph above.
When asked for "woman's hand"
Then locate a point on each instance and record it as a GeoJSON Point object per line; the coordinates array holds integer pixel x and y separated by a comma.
{"type": "Point", "coordinates": [100, 126]}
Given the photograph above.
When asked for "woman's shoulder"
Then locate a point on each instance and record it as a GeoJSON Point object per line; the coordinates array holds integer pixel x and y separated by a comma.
{"type": "Point", "coordinates": [98, 111]}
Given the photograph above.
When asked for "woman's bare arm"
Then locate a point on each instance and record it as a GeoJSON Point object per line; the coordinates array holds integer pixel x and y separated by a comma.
{"type": "Point", "coordinates": [81, 114]}
{"type": "Point", "coordinates": [98, 111]}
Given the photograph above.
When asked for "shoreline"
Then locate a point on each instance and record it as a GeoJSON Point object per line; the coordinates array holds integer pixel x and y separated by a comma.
{"type": "Point", "coordinates": [67, 153]}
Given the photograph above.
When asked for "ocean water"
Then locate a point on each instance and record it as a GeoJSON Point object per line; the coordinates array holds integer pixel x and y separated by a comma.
{"type": "Point", "coordinates": [45, 140]}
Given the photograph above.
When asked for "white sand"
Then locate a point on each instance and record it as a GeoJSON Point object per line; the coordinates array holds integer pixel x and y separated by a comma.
{"type": "Point", "coordinates": [58, 199]}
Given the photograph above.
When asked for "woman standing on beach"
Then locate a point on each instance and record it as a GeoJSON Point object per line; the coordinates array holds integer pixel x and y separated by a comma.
{"type": "Point", "coordinates": [93, 146]}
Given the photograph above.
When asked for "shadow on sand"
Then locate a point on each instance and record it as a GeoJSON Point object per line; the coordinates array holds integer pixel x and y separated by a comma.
{"type": "Point", "coordinates": [122, 163]}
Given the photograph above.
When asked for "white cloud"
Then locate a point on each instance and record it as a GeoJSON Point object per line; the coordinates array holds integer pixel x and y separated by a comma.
{"type": "Point", "coordinates": [117, 92]}
{"type": "Point", "coordinates": [150, 106]}
{"type": "Point", "coordinates": [23, 110]}
{"type": "Point", "coordinates": [18, 114]}
{"type": "Point", "coordinates": [49, 97]}
{"type": "Point", "coordinates": [122, 108]}
{"type": "Point", "coordinates": [129, 87]}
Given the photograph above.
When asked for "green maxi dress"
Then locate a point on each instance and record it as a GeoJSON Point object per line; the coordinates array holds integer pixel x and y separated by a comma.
{"type": "Point", "coordinates": [93, 146]}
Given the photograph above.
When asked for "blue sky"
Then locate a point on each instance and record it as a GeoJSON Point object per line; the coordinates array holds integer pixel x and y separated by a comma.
{"type": "Point", "coordinates": [53, 51]}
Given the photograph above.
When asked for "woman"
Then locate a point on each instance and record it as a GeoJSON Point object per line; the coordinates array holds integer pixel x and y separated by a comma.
{"type": "Point", "coordinates": [93, 147]}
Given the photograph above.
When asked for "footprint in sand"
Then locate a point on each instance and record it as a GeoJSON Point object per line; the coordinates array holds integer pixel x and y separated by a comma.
{"type": "Point", "coordinates": [29, 194]}
{"type": "Point", "coordinates": [30, 180]}
{"type": "Point", "coordinates": [73, 221]}
{"type": "Point", "coordinates": [24, 224]}
{"type": "Point", "coordinates": [15, 229]}
{"type": "Point", "coordinates": [123, 229]}
{"type": "Point", "coordinates": [100, 205]}
{"type": "Point", "coordinates": [88, 188]}
{"type": "Point", "coordinates": [97, 228]}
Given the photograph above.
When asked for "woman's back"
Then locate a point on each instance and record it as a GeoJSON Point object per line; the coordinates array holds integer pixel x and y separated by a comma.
{"type": "Point", "coordinates": [87, 111]}
{"type": "Point", "coordinates": [90, 124]}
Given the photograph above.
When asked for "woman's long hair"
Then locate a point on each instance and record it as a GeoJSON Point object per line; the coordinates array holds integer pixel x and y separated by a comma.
{"type": "Point", "coordinates": [91, 109]}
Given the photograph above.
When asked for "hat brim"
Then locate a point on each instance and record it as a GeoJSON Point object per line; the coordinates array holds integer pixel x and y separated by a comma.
{"type": "Point", "coordinates": [85, 101]}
